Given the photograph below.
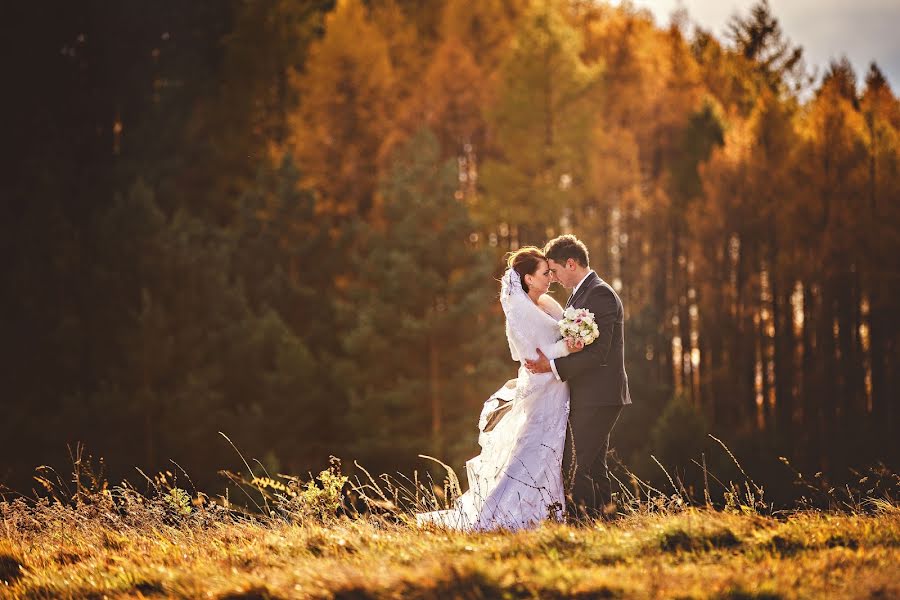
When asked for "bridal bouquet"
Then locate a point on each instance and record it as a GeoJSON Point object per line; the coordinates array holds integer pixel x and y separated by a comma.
{"type": "Point", "coordinates": [578, 327]}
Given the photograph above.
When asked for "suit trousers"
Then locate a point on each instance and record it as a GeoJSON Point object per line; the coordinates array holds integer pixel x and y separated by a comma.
{"type": "Point", "coordinates": [585, 472]}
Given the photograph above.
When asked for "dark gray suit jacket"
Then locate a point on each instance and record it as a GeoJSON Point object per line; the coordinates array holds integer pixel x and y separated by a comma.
{"type": "Point", "coordinates": [596, 375]}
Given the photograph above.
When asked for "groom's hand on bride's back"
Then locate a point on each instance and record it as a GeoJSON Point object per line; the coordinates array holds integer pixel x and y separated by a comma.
{"type": "Point", "coordinates": [541, 365]}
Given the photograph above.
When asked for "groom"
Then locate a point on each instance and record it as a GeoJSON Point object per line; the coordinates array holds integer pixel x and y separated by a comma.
{"type": "Point", "coordinates": [598, 385]}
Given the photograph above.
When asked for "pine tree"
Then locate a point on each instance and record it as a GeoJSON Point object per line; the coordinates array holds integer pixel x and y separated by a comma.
{"type": "Point", "coordinates": [286, 258]}
{"type": "Point", "coordinates": [451, 98]}
{"type": "Point", "coordinates": [758, 37]}
{"type": "Point", "coordinates": [485, 28]}
{"type": "Point", "coordinates": [420, 316]}
{"type": "Point", "coordinates": [881, 112]}
{"type": "Point", "coordinates": [244, 117]}
{"type": "Point", "coordinates": [348, 98]}
{"type": "Point", "coordinates": [542, 123]}
{"type": "Point", "coordinates": [186, 354]}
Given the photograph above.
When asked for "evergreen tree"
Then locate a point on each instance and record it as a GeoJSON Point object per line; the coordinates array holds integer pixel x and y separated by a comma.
{"type": "Point", "coordinates": [181, 354]}
{"type": "Point", "coordinates": [835, 200]}
{"type": "Point", "coordinates": [542, 123]}
{"type": "Point", "coordinates": [345, 112]}
{"type": "Point", "coordinates": [758, 37]}
{"type": "Point", "coordinates": [451, 99]}
{"type": "Point", "coordinates": [244, 116]}
{"type": "Point", "coordinates": [286, 257]}
{"type": "Point", "coordinates": [423, 328]}
{"type": "Point", "coordinates": [881, 111]}
{"type": "Point", "coordinates": [484, 28]}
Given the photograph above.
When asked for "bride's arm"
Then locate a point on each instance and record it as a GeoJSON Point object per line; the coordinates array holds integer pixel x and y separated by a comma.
{"type": "Point", "coordinates": [551, 306]}
{"type": "Point", "coordinates": [523, 319]}
{"type": "Point", "coordinates": [556, 350]}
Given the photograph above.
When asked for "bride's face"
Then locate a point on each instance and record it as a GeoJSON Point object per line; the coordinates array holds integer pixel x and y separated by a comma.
{"type": "Point", "coordinates": [540, 280]}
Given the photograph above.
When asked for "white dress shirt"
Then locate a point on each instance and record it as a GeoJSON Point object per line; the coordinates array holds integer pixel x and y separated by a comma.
{"type": "Point", "coordinates": [574, 291]}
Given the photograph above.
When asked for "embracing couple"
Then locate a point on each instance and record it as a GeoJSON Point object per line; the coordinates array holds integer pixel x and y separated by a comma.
{"type": "Point", "coordinates": [544, 435]}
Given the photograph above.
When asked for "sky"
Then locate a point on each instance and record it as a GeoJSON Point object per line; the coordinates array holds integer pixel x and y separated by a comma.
{"type": "Point", "coordinates": [863, 30]}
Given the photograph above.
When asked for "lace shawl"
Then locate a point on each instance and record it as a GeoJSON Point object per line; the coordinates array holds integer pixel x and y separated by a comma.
{"type": "Point", "coordinates": [528, 327]}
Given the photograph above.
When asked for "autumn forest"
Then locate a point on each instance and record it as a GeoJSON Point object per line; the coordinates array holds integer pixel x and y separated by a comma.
{"type": "Point", "coordinates": [285, 221]}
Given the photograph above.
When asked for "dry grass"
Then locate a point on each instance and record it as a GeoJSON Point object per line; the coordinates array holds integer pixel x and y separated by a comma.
{"type": "Point", "coordinates": [57, 551]}
{"type": "Point", "coordinates": [94, 541]}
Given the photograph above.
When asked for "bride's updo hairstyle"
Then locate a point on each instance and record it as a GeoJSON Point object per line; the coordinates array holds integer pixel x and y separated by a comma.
{"type": "Point", "coordinates": [525, 261]}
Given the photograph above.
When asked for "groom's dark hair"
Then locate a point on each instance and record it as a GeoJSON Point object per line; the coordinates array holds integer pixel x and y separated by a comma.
{"type": "Point", "coordinates": [564, 247]}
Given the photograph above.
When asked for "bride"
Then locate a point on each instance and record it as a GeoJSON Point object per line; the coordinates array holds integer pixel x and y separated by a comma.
{"type": "Point", "coordinates": [516, 480]}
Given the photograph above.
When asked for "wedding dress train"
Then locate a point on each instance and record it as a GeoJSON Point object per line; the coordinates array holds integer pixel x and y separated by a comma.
{"type": "Point", "coordinates": [516, 480]}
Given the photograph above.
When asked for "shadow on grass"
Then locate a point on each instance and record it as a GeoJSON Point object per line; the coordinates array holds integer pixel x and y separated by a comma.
{"type": "Point", "coordinates": [255, 593]}
{"type": "Point", "coordinates": [478, 584]}
{"type": "Point", "coordinates": [10, 568]}
{"type": "Point", "coordinates": [785, 546]}
{"type": "Point", "coordinates": [838, 540]}
{"type": "Point", "coordinates": [141, 589]}
{"type": "Point", "coordinates": [742, 594]}
{"type": "Point", "coordinates": [149, 588]}
{"type": "Point", "coordinates": [680, 540]}
{"type": "Point", "coordinates": [461, 584]}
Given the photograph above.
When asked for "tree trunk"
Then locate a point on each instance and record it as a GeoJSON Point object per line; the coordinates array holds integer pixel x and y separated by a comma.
{"type": "Point", "coordinates": [745, 340]}
{"type": "Point", "coordinates": [826, 381]}
{"type": "Point", "coordinates": [811, 391]}
{"type": "Point", "coordinates": [436, 407]}
{"type": "Point", "coordinates": [782, 322]}
{"type": "Point", "coordinates": [845, 367]}
{"type": "Point", "coordinates": [663, 342]}
{"type": "Point", "coordinates": [783, 317]}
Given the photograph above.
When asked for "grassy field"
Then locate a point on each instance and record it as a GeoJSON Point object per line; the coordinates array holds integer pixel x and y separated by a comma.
{"type": "Point", "coordinates": [85, 539]}
{"type": "Point", "coordinates": [170, 548]}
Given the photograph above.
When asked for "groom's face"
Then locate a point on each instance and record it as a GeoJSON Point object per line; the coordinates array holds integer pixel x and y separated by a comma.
{"type": "Point", "coordinates": [561, 273]}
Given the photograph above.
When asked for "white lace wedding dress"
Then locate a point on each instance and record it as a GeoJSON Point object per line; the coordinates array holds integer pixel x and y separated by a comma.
{"type": "Point", "coordinates": [516, 480]}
